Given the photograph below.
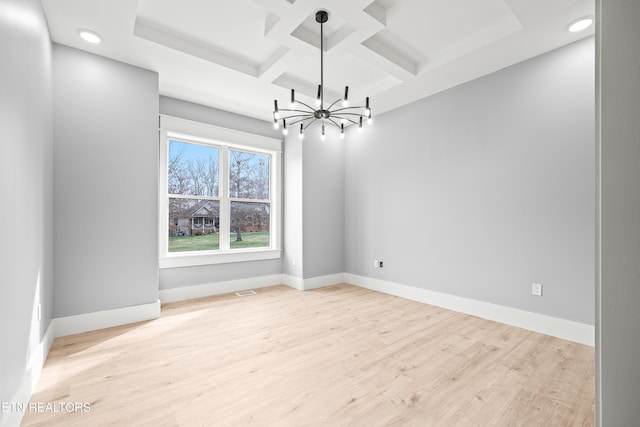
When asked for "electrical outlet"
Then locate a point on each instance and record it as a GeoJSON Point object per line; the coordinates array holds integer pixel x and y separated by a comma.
{"type": "Point", "coordinates": [536, 289]}
{"type": "Point", "coordinates": [380, 264]}
{"type": "Point", "coordinates": [376, 263]}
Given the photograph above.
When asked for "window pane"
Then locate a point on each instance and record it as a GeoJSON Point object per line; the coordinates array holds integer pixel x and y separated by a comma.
{"type": "Point", "coordinates": [248, 175]}
{"type": "Point", "coordinates": [250, 225]}
{"type": "Point", "coordinates": [193, 225]}
{"type": "Point", "coordinates": [193, 169]}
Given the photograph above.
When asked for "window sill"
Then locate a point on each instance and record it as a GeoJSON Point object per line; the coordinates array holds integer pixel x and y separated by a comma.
{"type": "Point", "coordinates": [189, 259]}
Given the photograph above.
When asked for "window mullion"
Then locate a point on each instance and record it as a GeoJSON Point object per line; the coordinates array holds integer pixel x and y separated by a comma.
{"type": "Point", "coordinates": [192, 197]}
{"type": "Point", "coordinates": [240, 199]}
{"type": "Point", "coordinates": [225, 205]}
{"type": "Point", "coordinates": [163, 212]}
{"type": "Point", "coordinates": [275, 196]}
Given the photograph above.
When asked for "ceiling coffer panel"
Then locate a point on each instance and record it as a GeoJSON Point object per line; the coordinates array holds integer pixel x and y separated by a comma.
{"type": "Point", "coordinates": [233, 30]}
{"type": "Point", "coordinates": [240, 55]}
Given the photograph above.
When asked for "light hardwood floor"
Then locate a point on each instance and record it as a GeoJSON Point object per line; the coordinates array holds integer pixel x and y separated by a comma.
{"type": "Point", "coordinates": [336, 356]}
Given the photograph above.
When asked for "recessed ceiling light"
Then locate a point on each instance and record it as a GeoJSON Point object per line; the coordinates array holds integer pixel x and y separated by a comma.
{"type": "Point", "coordinates": [581, 24]}
{"type": "Point", "coordinates": [90, 36]}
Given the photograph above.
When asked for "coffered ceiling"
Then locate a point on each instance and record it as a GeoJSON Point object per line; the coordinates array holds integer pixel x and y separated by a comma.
{"type": "Point", "coordinates": [240, 55]}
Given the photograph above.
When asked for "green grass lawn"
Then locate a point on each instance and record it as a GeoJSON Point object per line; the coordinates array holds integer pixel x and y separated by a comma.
{"type": "Point", "coordinates": [205, 242]}
{"type": "Point", "coordinates": [250, 240]}
{"type": "Point", "coordinates": [210, 242]}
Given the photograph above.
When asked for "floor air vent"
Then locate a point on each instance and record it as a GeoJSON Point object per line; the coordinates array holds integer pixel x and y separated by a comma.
{"type": "Point", "coordinates": [245, 293]}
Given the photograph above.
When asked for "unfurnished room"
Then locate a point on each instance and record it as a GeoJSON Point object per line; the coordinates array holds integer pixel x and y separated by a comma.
{"type": "Point", "coordinates": [320, 213]}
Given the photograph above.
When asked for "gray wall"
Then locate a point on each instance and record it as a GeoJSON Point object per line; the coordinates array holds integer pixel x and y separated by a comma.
{"type": "Point", "coordinates": [26, 167]}
{"type": "Point", "coordinates": [483, 189]}
{"type": "Point", "coordinates": [323, 203]}
{"type": "Point", "coordinates": [314, 204]}
{"type": "Point", "coordinates": [618, 317]}
{"type": "Point", "coordinates": [190, 276]}
{"type": "Point", "coordinates": [105, 183]}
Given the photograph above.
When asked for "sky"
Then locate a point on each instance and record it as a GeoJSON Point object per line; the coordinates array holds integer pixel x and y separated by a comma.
{"type": "Point", "coordinates": [191, 151]}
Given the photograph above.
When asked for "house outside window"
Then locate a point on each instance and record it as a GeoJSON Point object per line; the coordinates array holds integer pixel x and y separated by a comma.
{"type": "Point", "coordinates": [220, 195]}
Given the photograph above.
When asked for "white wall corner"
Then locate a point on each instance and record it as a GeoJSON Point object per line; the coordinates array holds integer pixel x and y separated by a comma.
{"type": "Point", "coordinates": [219, 288]}
{"type": "Point", "coordinates": [293, 281]}
{"type": "Point", "coordinates": [80, 323]}
{"type": "Point", "coordinates": [21, 398]}
{"type": "Point", "coordinates": [548, 325]}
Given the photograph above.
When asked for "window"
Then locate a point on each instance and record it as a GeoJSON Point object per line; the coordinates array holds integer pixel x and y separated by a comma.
{"type": "Point", "coordinates": [220, 195]}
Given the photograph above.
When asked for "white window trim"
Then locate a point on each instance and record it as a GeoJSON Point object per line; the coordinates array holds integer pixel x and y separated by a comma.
{"type": "Point", "coordinates": [182, 129]}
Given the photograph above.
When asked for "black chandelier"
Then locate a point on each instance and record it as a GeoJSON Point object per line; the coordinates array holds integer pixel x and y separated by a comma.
{"type": "Point", "coordinates": [309, 115]}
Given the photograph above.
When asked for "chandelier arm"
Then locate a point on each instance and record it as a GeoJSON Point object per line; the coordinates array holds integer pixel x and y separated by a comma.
{"type": "Point", "coordinates": [345, 118]}
{"type": "Point", "coordinates": [310, 123]}
{"type": "Point", "coordinates": [300, 120]}
{"type": "Point", "coordinates": [311, 109]}
{"type": "Point", "coordinates": [351, 114]}
{"type": "Point", "coordinates": [349, 108]}
{"type": "Point", "coordinates": [295, 110]}
{"type": "Point", "coordinates": [337, 125]}
{"type": "Point", "coordinates": [308, 106]}
{"type": "Point", "coordinates": [305, 114]}
{"type": "Point", "coordinates": [334, 103]}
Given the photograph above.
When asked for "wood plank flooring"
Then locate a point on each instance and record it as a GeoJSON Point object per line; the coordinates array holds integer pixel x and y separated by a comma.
{"type": "Point", "coordinates": [336, 356]}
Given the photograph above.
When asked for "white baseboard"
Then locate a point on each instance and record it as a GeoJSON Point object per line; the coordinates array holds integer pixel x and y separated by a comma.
{"type": "Point", "coordinates": [323, 281]}
{"type": "Point", "coordinates": [294, 282]}
{"type": "Point", "coordinates": [79, 323]}
{"type": "Point", "coordinates": [561, 328]}
{"type": "Point", "coordinates": [313, 282]}
{"type": "Point", "coordinates": [21, 398]}
{"type": "Point", "coordinates": [218, 288]}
